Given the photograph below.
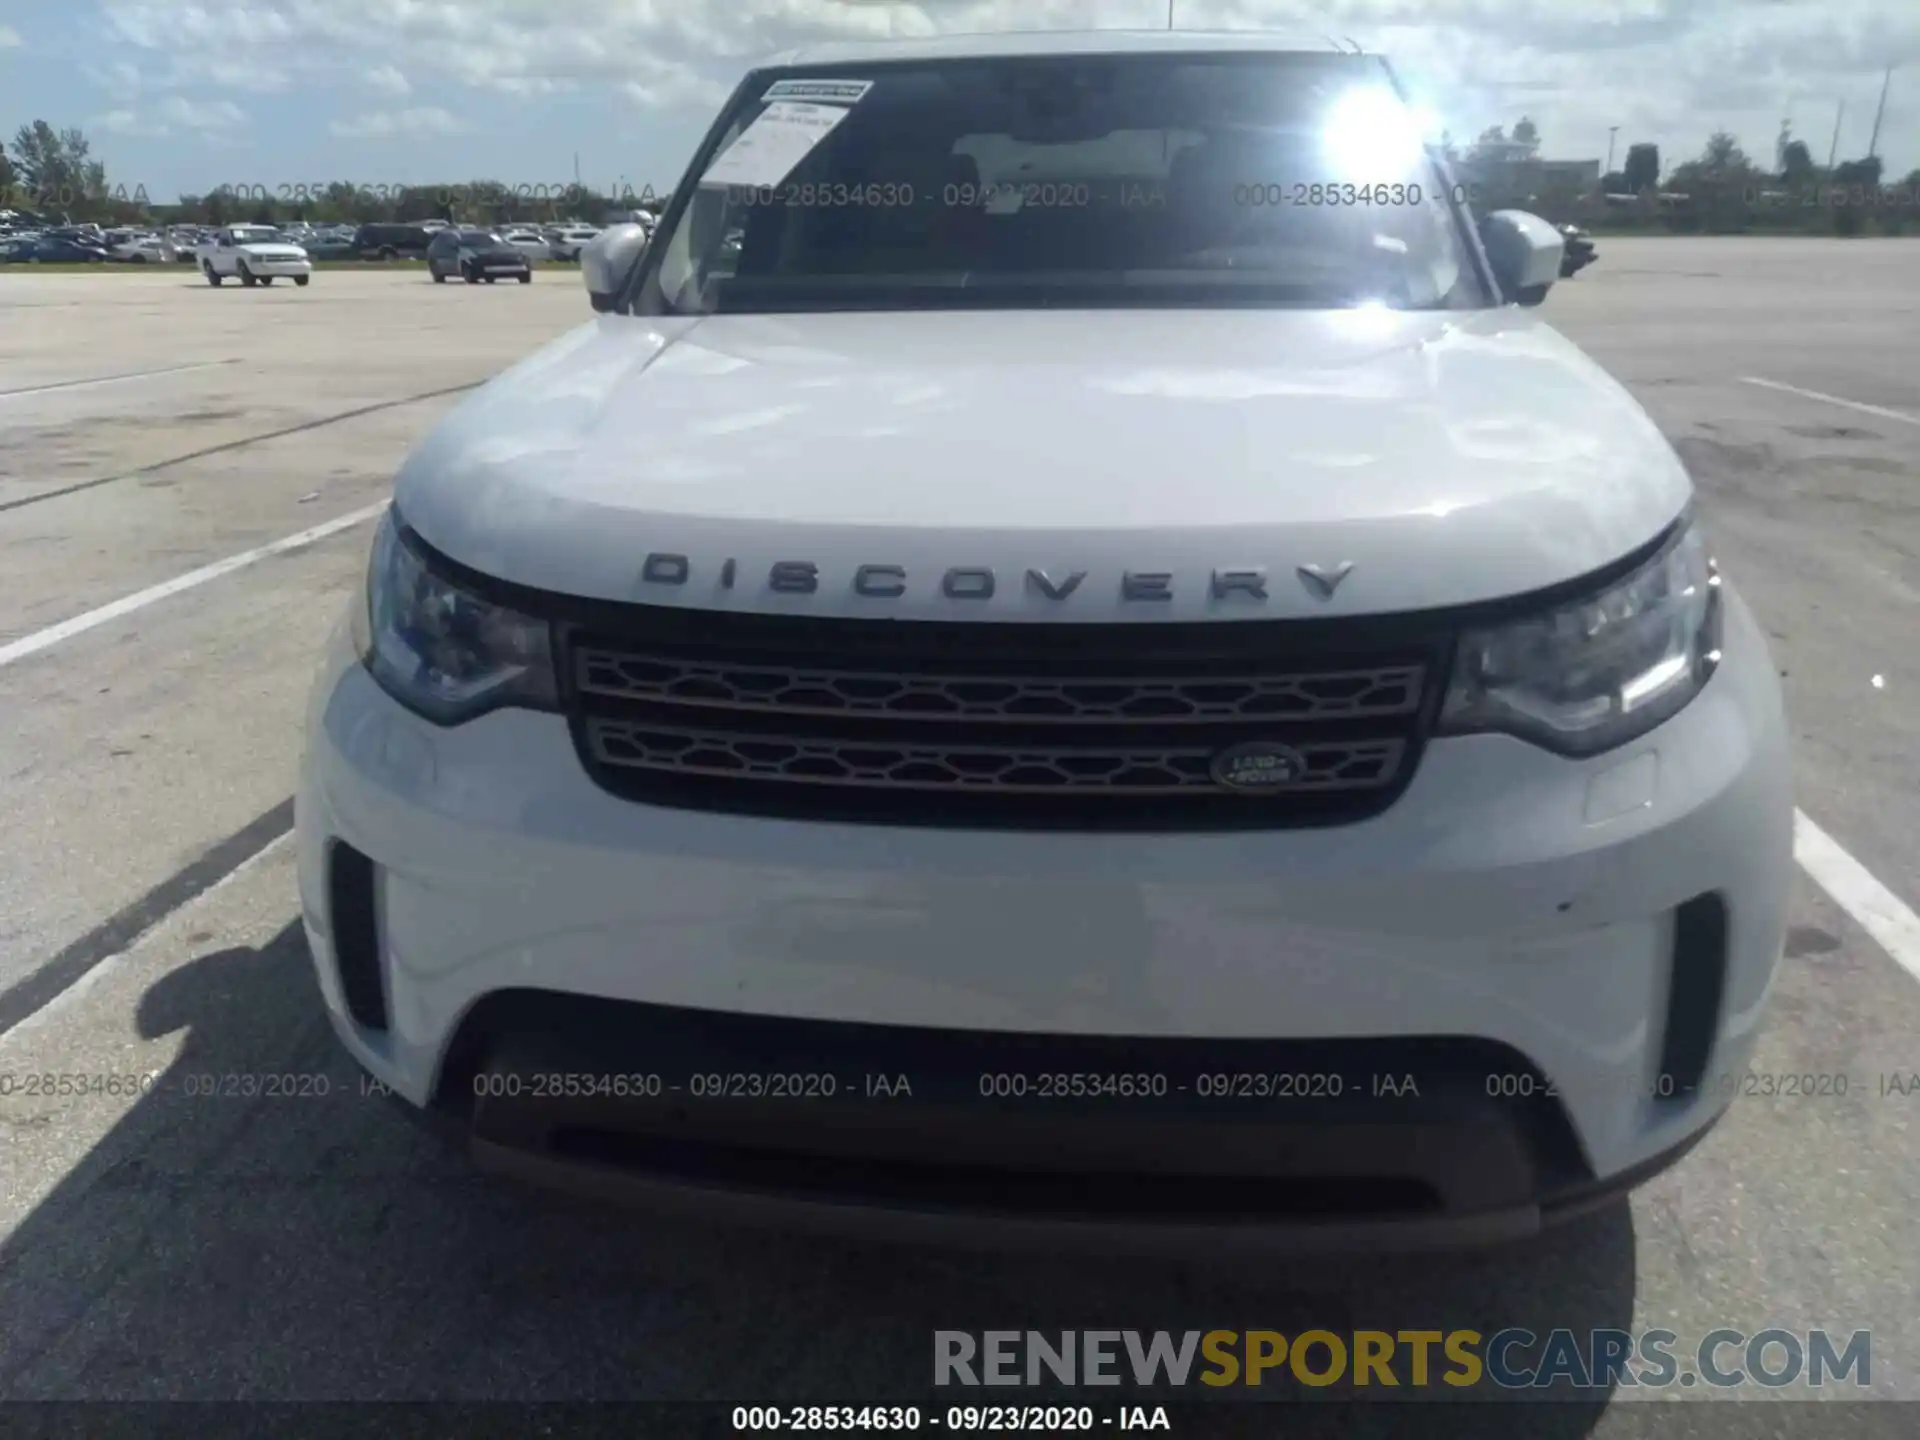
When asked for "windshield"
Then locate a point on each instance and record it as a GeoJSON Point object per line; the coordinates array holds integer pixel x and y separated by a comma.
{"type": "Point", "coordinates": [1281, 179]}
{"type": "Point", "coordinates": [478, 237]}
{"type": "Point", "coordinates": [258, 237]}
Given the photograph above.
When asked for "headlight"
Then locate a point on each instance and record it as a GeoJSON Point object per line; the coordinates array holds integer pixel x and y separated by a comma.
{"type": "Point", "coordinates": [1597, 672]}
{"type": "Point", "coordinates": [440, 651]}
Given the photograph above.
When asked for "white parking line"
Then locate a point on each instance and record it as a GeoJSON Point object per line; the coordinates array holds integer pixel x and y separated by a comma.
{"type": "Point", "coordinates": [54, 634]}
{"type": "Point", "coordinates": [1876, 909]}
{"type": "Point", "coordinates": [1860, 405]}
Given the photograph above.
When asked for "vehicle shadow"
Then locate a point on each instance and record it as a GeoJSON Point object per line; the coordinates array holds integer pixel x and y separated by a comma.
{"type": "Point", "coordinates": [321, 1248]}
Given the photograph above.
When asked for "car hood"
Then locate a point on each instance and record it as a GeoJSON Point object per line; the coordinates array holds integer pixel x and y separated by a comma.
{"type": "Point", "coordinates": [1434, 458]}
{"type": "Point", "coordinates": [272, 251]}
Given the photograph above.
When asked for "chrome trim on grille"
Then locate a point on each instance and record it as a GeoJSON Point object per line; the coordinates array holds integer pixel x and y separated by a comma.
{"type": "Point", "coordinates": [1011, 769]}
{"type": "Point", "coordinates": [668, 680]}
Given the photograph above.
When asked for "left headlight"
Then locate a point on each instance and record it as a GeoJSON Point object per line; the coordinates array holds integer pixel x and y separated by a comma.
{"type": "Point", "coordinates": [1599, 671]}
{"type": "Point", "coordinates": [444, 653]}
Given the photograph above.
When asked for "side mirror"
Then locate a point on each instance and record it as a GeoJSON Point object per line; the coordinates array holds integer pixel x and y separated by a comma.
{"type": "Point", "coordinates": [606, 259]}
{"type": "Point", "coordinates": [1525, 252]}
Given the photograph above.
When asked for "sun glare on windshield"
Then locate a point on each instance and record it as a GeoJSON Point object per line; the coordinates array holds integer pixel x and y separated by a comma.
{"type": "Point", "coordinates": [1371, 135]}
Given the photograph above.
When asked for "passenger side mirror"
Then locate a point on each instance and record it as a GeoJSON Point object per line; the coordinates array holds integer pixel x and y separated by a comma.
{"type": "Point", "coordinates": [1525, 252]}
{"type": "Point", "coordinates": [606, 259]}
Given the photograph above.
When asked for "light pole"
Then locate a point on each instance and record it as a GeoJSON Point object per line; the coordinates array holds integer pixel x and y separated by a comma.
{"type": "Point", "coordinates": [1612, 130]}
{"type": "Point", "coordinates": [1170, 4]}
{"type": "Point", "coordinates": [1873, 144]}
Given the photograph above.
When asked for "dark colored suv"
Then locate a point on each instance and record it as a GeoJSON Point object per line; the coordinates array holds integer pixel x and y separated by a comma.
{"type": "Point", "coordinates": [391, 242]}
{"type": "Point", "coordinates": [476, 255]}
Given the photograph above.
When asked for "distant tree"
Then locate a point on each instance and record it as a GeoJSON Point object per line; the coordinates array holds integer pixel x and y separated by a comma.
{"type": "Point", "coordinates": [1480, 161]}
{"type": "Point", "coordinates": [1527, 135]}
{"type": "Point", "coordinates": [1614, 182]}
{"type": "Point", "coordinates": [1850, 181]}
{"type": "Point", "coordinates": [1488, 147]}
{"type": "Point", "coordinates": [1796, 161]}
{"type": "Point", "coordinates": [1642, 169]}
{"type": "Point", "coordinates": [9, 177]}
{"type": "Point", "coordinates": [1723, 154]}
{"type": "Point", "coordinates": [56, 171]}
{"type": "Point", "coordinates": [1721, 184]}
{"type": "Point", "coordinates": [1858, 172]}
{"type": "Point", "coordinates": [1721, 163]}
{"type": "Point", "coordinates": [40, 159]}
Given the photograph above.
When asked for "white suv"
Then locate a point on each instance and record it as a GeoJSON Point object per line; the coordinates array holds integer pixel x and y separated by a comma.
{"type": "Point", "coordinates": [1060, 662]}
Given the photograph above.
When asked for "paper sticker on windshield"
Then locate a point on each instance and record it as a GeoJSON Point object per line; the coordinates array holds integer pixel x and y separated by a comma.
{"type": "Point", "coordinates": [826, 92]}
{"type": "Point", "coordinates": [767, 151]}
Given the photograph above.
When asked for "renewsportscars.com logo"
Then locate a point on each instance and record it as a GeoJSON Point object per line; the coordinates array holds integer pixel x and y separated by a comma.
{"type": "Point", "coordinates": [1512, 1359]}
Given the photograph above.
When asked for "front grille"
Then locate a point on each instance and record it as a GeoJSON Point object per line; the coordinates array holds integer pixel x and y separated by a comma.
{"type": "Point", "coordinates": [1134, 770]}
{"type": "Point", "coordinates": [1013, 726]}
{"type": "Point", "coordinates": [799, 690]}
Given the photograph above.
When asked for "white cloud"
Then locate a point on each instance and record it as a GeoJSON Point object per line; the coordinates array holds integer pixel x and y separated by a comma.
{"type": "Point", "coordinates": [387, 80]}
{"type": "Point", "coordinates": [379, 124]}
{"type": "Point", "coordinates": [121, 79]}
{"type": "Point", "coordinates": [176, 111]}
{"type": "Point", "coordinates": [10, 38]}
{"type": "Point", "coordinates": [1670, 71]}
{"type": "Point", "coordinates": [171, 115]}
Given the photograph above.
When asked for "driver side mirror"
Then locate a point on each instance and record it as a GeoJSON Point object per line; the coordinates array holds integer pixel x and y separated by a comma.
{"type": "Point", "coordinates": [606, 259]}
{"type": "Point", "coordinates": [1525, 253]}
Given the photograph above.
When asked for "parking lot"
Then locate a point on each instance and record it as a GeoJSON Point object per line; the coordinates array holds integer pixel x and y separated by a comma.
{"type": "Point", "coordinates": [207, 463]}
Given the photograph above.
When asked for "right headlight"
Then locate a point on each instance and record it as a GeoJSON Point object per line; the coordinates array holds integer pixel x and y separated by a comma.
{"type": "Point", "coordinates": [441, 651]}
{"type": "Point", "coordinates": [1595, 672]}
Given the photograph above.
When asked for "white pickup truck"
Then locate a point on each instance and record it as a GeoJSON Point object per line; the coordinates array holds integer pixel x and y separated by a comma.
{"type": "Point", "coordinates": [254, 254]}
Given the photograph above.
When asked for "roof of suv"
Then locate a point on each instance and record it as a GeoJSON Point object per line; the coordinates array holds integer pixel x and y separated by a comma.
{"type": "Point", "coordinates": [1058, 42]}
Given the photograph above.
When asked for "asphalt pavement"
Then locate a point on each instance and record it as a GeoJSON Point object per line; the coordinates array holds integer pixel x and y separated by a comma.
{"type": "Point", "coordinates": [172, 1244]}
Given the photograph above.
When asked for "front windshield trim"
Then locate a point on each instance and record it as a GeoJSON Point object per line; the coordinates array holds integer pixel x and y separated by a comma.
{"type": "Point", "coordinates": [642, 292]}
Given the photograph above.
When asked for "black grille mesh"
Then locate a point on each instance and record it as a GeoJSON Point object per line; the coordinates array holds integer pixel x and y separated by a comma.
{"type": "Point", "coordinates": [996, 725]}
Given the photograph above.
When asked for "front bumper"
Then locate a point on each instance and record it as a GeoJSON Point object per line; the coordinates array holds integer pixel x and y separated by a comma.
{"type": "Point", "coordinates": [277, 267]}
{"type": "Point", "coordinates": [1520, 934]}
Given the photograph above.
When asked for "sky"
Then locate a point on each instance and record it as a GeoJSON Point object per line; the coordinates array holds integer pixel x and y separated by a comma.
{"type": "Point", "coordinates": [186, 95]}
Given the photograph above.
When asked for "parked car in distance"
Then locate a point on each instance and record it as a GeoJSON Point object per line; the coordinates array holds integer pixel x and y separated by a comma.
{"type": "Point", "coordinates": [329, 246]}
{"type": "Point", "coordinates": [566, 241]}
{"type": "Point", "coordinates": [392, 241]}
{"type": "Point", "coordinates": [63, 250]}
{"type": "Point", "coordinates": [254, 255]}
{"type": "Point", "coordinates": [476, 255]}
{"type": "Point", "coordinates": [530, 243]}
{"type": "Point", "coordinates": [141, 249]}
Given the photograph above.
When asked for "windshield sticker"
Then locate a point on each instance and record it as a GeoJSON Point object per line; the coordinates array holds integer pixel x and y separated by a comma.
{"type": "Point", "coordinates": [827, 92]}
{"type": "Point", "coordinates": [767, 151]}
